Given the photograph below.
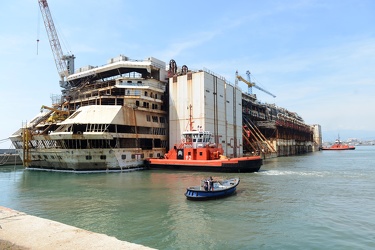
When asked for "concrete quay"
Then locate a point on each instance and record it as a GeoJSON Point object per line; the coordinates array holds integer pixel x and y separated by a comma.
{"type": "Point", "coordinates": [21, 231]}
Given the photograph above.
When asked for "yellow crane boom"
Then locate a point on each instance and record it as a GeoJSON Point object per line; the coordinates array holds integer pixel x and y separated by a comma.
{"type": "Point", "coordinates": [59, 111]}
{"type": "Point", "coordinates": [252, 84]}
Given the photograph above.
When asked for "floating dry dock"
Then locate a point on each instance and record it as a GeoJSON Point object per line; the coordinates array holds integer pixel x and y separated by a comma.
{"type": "Point", "coordinates": [31, 232]}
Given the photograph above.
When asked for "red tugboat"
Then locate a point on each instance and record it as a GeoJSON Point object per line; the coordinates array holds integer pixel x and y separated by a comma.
{"type": "Point", "coordinates": [196, 152]}
{"type": "Point", "coordinates": [339, 146]}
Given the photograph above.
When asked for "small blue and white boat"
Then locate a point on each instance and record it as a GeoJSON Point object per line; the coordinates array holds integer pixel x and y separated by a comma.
{"type": "Point", "coordinates": [219, 189]}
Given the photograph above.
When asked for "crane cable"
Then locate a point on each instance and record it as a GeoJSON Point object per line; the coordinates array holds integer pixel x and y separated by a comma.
{"type": "Point", "coordinates": [4, 158]}
{"type": "Point", "coordinates": [257, 81]}
{"type": "Point", "coordinates": [38, 32]}
{"type": "Point", "coordinates": [63, 41]}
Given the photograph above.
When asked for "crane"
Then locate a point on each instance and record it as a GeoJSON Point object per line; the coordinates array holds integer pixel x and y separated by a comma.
{"type": "Point", "coordinates": [64, 63]}
{"type": "Point", "coordinates": [56, 114]}
{"type": "Point", "coordinates": [251, 84]}
{"type": "Point", "coordinates": [62, 112]}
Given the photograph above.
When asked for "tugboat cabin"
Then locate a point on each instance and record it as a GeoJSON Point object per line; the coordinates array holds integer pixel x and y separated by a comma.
{"type": "Point", "coordinates": [197, 145]}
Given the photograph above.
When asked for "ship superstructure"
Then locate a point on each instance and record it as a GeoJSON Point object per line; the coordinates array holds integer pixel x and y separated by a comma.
{"type": "Point", "coordinates": [114, 118]}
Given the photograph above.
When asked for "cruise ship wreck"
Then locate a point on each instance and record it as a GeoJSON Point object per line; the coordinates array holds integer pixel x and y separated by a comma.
{"type": "Point", "coordinates": [117, 116]}
{"type": "Point", "coordinates": [112, 118]}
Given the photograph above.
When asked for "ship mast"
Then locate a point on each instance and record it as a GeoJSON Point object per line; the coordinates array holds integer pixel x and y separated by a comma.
{"type": "Point", "coordinates": [64, 63]}
{"type": "Point", "coordinates": [190, 117]}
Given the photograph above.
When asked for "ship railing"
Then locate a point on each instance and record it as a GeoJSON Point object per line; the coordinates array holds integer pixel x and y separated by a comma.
{"type": "Point", "coordinates": [218, 76]}
{"type": "Point", "coordinates": [143, 83]}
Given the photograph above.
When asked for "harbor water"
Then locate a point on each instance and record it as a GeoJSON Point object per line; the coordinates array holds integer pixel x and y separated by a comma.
{"type": "Point", "coordinates": [321, 200]}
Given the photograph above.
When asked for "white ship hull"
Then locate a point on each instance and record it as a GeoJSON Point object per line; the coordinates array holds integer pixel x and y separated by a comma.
{"type": "Point", "coordinates": [89, 159]}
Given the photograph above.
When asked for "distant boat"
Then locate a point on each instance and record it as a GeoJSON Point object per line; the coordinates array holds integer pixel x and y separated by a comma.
{"type": "Point", "coordinates": [339, 146]}
{"type": "Point", "coordinates": [220, 189]}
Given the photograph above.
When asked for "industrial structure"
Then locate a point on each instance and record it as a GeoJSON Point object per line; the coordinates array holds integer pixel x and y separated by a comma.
{"type": "Point", "coordinates": [242, 123]}
{"type": "Point", "coordinates": [115, 116]}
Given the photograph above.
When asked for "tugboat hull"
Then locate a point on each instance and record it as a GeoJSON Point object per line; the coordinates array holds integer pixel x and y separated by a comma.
{"type": "Point", "coordinates": [233, 165]}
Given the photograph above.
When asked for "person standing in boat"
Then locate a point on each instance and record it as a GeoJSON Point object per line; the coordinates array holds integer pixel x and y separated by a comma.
{"type": "Point", "coordinates": [211, 184]}
{"type": "Point", "coordinates": [206, 185]}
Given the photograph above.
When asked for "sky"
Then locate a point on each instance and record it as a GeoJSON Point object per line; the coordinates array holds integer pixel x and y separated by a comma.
{"type": "Point", "coordinates": [316, 56]}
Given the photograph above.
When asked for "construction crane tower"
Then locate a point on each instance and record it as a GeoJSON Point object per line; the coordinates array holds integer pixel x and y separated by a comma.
{"type": "Point", "coordinates": [64, 63]}
{"type": "Point", "coordinates": [249, 87]}
{"type": "Point", "coordinates": [251, 84]}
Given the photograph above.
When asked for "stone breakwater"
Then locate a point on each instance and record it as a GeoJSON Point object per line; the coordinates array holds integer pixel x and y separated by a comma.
{"type": "Point", "coordinates": [21, 231]}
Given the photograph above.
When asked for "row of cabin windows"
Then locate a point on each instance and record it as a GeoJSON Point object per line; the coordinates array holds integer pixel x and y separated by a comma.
{"type": "Point", "coordinates": [160, 119]}
{"type": "Point", "coordinates": [103, 157]}
{"type": "Point", "coordinates": [137, 92]}
{"type": "Point", "coordinates": [147, 105]}
{"type": "Point", "coordinates": [146, 94]}
{"type": "Point", "coordinates": [120, 92]}
{"type": "Point", "coordinates": [46, 157]}
{"type": "Point", "coordinates": [152, 95]}
{"type": "Point", "coordinates": [123, 157]}
{"type": "Point", "coordinates": [89, 157]}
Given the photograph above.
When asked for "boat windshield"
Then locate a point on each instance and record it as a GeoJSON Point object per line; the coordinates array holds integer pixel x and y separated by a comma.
{"type": "Point", "coordinates": [197, 137]}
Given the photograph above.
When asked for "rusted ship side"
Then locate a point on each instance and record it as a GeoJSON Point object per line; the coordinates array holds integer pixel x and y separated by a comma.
{"type": "Point", "coordinates": [276, 131]}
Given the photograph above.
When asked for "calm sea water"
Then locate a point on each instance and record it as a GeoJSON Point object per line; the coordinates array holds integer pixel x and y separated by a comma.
{"type": "Point", "coordinates": [322, 200]}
